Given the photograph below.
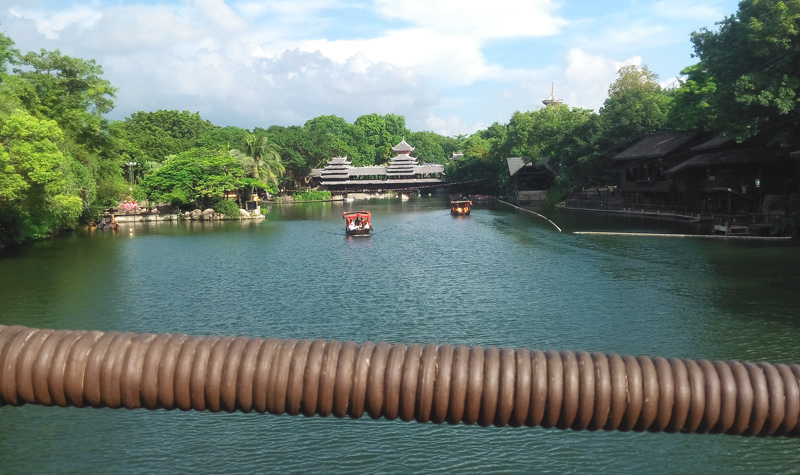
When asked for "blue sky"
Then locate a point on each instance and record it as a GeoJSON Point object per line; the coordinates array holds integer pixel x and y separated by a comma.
{"type": "Point", "coordinates": [448, 66]}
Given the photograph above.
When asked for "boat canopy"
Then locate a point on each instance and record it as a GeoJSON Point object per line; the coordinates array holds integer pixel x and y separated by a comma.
{"type": "Point", "coordinates": [360, 216]}
{"type": "Point", "coordinates": [356, 214]}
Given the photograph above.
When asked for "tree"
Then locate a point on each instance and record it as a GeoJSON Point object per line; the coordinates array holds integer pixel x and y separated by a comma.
{"type": "Point", "coordinates": [64, 84]}
{"type": "Point", "coordinates": [35, 177]}
{"type": "Point", "coordinates": [198, 174]}
{"type": "Point", "coordinates": [336, 137]}
{"type": "Point", "coordinates": [691, 108]}
{"type": "Point", "coordinates": [224, 138]}
{"type": "Point", "coordinates": [378, 136]}
{"type": "Point", "coordinates": [8, 53]}
{"type": "Point", "coordinates": [155, 135]}
{"type": "Point", "coordinates": [260, 159]}
{"type": "Point", "coordinates": [71, 91]}
{"type": "Point", "coordinates": [752, 60]}
{"type": "Point", "coordinates": [636, 104]}
{"type": "Point", "coordinates": [428, 147]}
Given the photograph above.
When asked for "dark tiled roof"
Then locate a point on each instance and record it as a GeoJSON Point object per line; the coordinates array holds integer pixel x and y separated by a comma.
{"type": "Point", "coordinates": [713, 143]}
{"type": "Point", "coordinates": [657, 145]}
{"type": "Point", "coordinates": [725, 157]}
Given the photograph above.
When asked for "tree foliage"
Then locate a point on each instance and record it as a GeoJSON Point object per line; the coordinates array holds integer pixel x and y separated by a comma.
{"type": "Point", "coordinates": [636, 104]}
{"type": "Point", "coordinates": [199, 174]}
{"type": "Point", "coordinates": [260, 160]}
{"type": "Point", "coordinates": [157, 135]}
{"type": "Point", "coordinates": [61, 160]}
{"type": "Point", "coordinates": [747, 83]}
{"type": "Point", "coordinates": [35, 197]}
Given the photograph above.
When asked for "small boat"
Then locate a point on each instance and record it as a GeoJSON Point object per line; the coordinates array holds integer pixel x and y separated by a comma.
{"type": "Point", "coordinates": [358, 223]}
{"type": "Point", "coordinates": [460, 207]}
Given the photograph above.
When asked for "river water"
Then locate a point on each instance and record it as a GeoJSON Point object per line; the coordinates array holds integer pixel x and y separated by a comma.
{"type": "Point", "coordinates": [499, 277]}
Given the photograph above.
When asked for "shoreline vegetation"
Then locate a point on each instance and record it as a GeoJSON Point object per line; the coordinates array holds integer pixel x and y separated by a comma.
{"type": "Point", "coordinates": [62, 162]}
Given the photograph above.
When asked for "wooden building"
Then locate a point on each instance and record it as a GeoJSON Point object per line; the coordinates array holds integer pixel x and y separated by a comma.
{"type": "Point", "coordinates": [696, 174]}
{"type": "Point", "coordinates": [529, 182]}
{"type": "Point", "coordinates": [402, 173]}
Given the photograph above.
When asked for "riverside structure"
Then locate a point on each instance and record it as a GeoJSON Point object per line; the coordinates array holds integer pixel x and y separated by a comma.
{"type": "Point", "coordinates": [403, 173]}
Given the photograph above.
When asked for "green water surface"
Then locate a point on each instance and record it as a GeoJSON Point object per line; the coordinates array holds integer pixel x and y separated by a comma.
{"type": "Point", "coordinates": [498, 277]}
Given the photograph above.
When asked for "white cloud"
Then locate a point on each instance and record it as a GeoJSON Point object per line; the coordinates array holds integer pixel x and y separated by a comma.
{"type": "Point", "coordinates": [478, 18]}
{"type": "Point", "coordinates": [220, 14]}
{"type": "Point", "coordinates": [258, 63]}
{"type": "Point", "coordinates": [456, 60]}
{"type": "Point", "coordinates": [50, 25]}
{"type": "Point", "coordinates": [450, 126]}
{"type": "Point", "coordinates": [287, 90]}
{"type": "Point", "coordinates": [589, 75]}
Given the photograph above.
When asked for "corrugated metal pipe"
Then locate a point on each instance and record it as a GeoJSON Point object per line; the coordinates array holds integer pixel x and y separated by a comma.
{"type": "Point", "coordinates": [473, 385]}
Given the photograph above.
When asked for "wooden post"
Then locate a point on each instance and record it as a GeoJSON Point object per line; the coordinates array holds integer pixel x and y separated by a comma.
{"type": "Point", "coordinates": [728, 224]}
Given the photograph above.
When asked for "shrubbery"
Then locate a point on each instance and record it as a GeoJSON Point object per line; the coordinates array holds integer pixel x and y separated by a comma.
{"type": "Point", "coordinates": [311, 195]}
{"type": "Point", "coordinates": [227, 207]}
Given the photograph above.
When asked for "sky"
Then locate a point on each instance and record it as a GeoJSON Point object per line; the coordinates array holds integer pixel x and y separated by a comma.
{"type": "Point", "coordinates": [448, 66]}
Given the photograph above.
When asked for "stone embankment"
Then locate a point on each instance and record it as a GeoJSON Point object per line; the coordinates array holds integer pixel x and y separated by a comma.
{"type": "Point", "coordinates": [195, 215]}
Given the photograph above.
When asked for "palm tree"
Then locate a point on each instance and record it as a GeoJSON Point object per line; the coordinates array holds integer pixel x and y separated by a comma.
{"type": "Point", "coordinates": [260, 159]}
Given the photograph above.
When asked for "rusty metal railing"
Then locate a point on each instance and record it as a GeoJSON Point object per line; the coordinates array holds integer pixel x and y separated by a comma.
{"type": "Point", "coordinates": [452, 384]}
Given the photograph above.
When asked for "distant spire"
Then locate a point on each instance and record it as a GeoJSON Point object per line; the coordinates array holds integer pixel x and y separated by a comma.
{"type": "Point", "coordinates": [552, 100]}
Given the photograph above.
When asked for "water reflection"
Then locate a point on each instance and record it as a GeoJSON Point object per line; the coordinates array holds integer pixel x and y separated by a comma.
{"type": "Point", "coordinates": [498, 277]}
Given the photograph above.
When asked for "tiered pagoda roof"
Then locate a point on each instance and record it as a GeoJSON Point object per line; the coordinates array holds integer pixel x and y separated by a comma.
{"type": "Point", "coordinates": [552, 100]}
{"type": "Point", "coordinates": [403, 163]}
{"type": "Point", "coordinates": [337, 169]}
{"type": "Point", "coordinates": [403, 169]}
{"type": "Point", "coordinates": [403, 148]}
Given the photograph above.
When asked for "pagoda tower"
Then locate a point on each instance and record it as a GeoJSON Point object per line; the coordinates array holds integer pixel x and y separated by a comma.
{"type": "Point", "coordinates": [402, 165]}
{"type": "Point", "coordinates": [552, 100]}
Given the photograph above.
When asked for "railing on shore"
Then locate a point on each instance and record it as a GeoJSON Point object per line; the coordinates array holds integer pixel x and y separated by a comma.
{"type": "Point", "coordinates": [648, 209]}
{"type": "Point", "coordinates": [745, 223]}
{"type": "Point", "coordinates": [445, 383]}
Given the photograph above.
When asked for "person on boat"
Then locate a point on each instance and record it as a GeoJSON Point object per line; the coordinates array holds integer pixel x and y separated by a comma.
{"type": "Point", "coordinates": [366, 225]}
{"type": "Point", "coordinates": [352, 225]}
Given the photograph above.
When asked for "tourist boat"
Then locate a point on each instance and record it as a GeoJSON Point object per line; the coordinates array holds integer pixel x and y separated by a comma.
{"type": "Point", "coordinates": [358, 223]}
{"type": "Point", "coordinates": [460, 207]}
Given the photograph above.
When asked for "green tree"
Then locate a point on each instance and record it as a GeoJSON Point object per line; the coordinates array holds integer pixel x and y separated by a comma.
{"type": "Point", "coordinates": [198, 174]}
{"type": "Point", "coordinates": [636, 104]}
{"type": "Point", "coordinates": [72, 92]}
{"type": "Point", "coordinates": [224, 138]}
{"type": "Point", "coordinates": [156, 135]}
{"type": "Point", "coordinates": [65, 85]}
{"type": "Point", "coordinates": [336, 137]}
{"type": "Point", "coordinates": [378, 136]}
{"type": "Point", "coordinates": [751, 60]}
{"type": "Point", "coordinates": [260, 159]}
{"type": "Point", "coordinates": [35, 177]}
{"type": "Point", "coordinates": [428, 147]}
{"type": "Point", "coordinates": [8, 53]}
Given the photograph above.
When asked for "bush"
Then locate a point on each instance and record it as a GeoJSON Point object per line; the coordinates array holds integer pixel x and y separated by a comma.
{"type": "Point", "coordinates": [176, 198]}
{"type": "Point", "coordinates": [311, 195]}
{"type": "Point", "coordinates": [227, 207]}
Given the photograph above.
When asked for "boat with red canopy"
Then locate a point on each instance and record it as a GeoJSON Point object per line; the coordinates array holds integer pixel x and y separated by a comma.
{"type": "Point", "coordinates": [358, 223]}
{"type": "Point", "coordinates": [460, 207]}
